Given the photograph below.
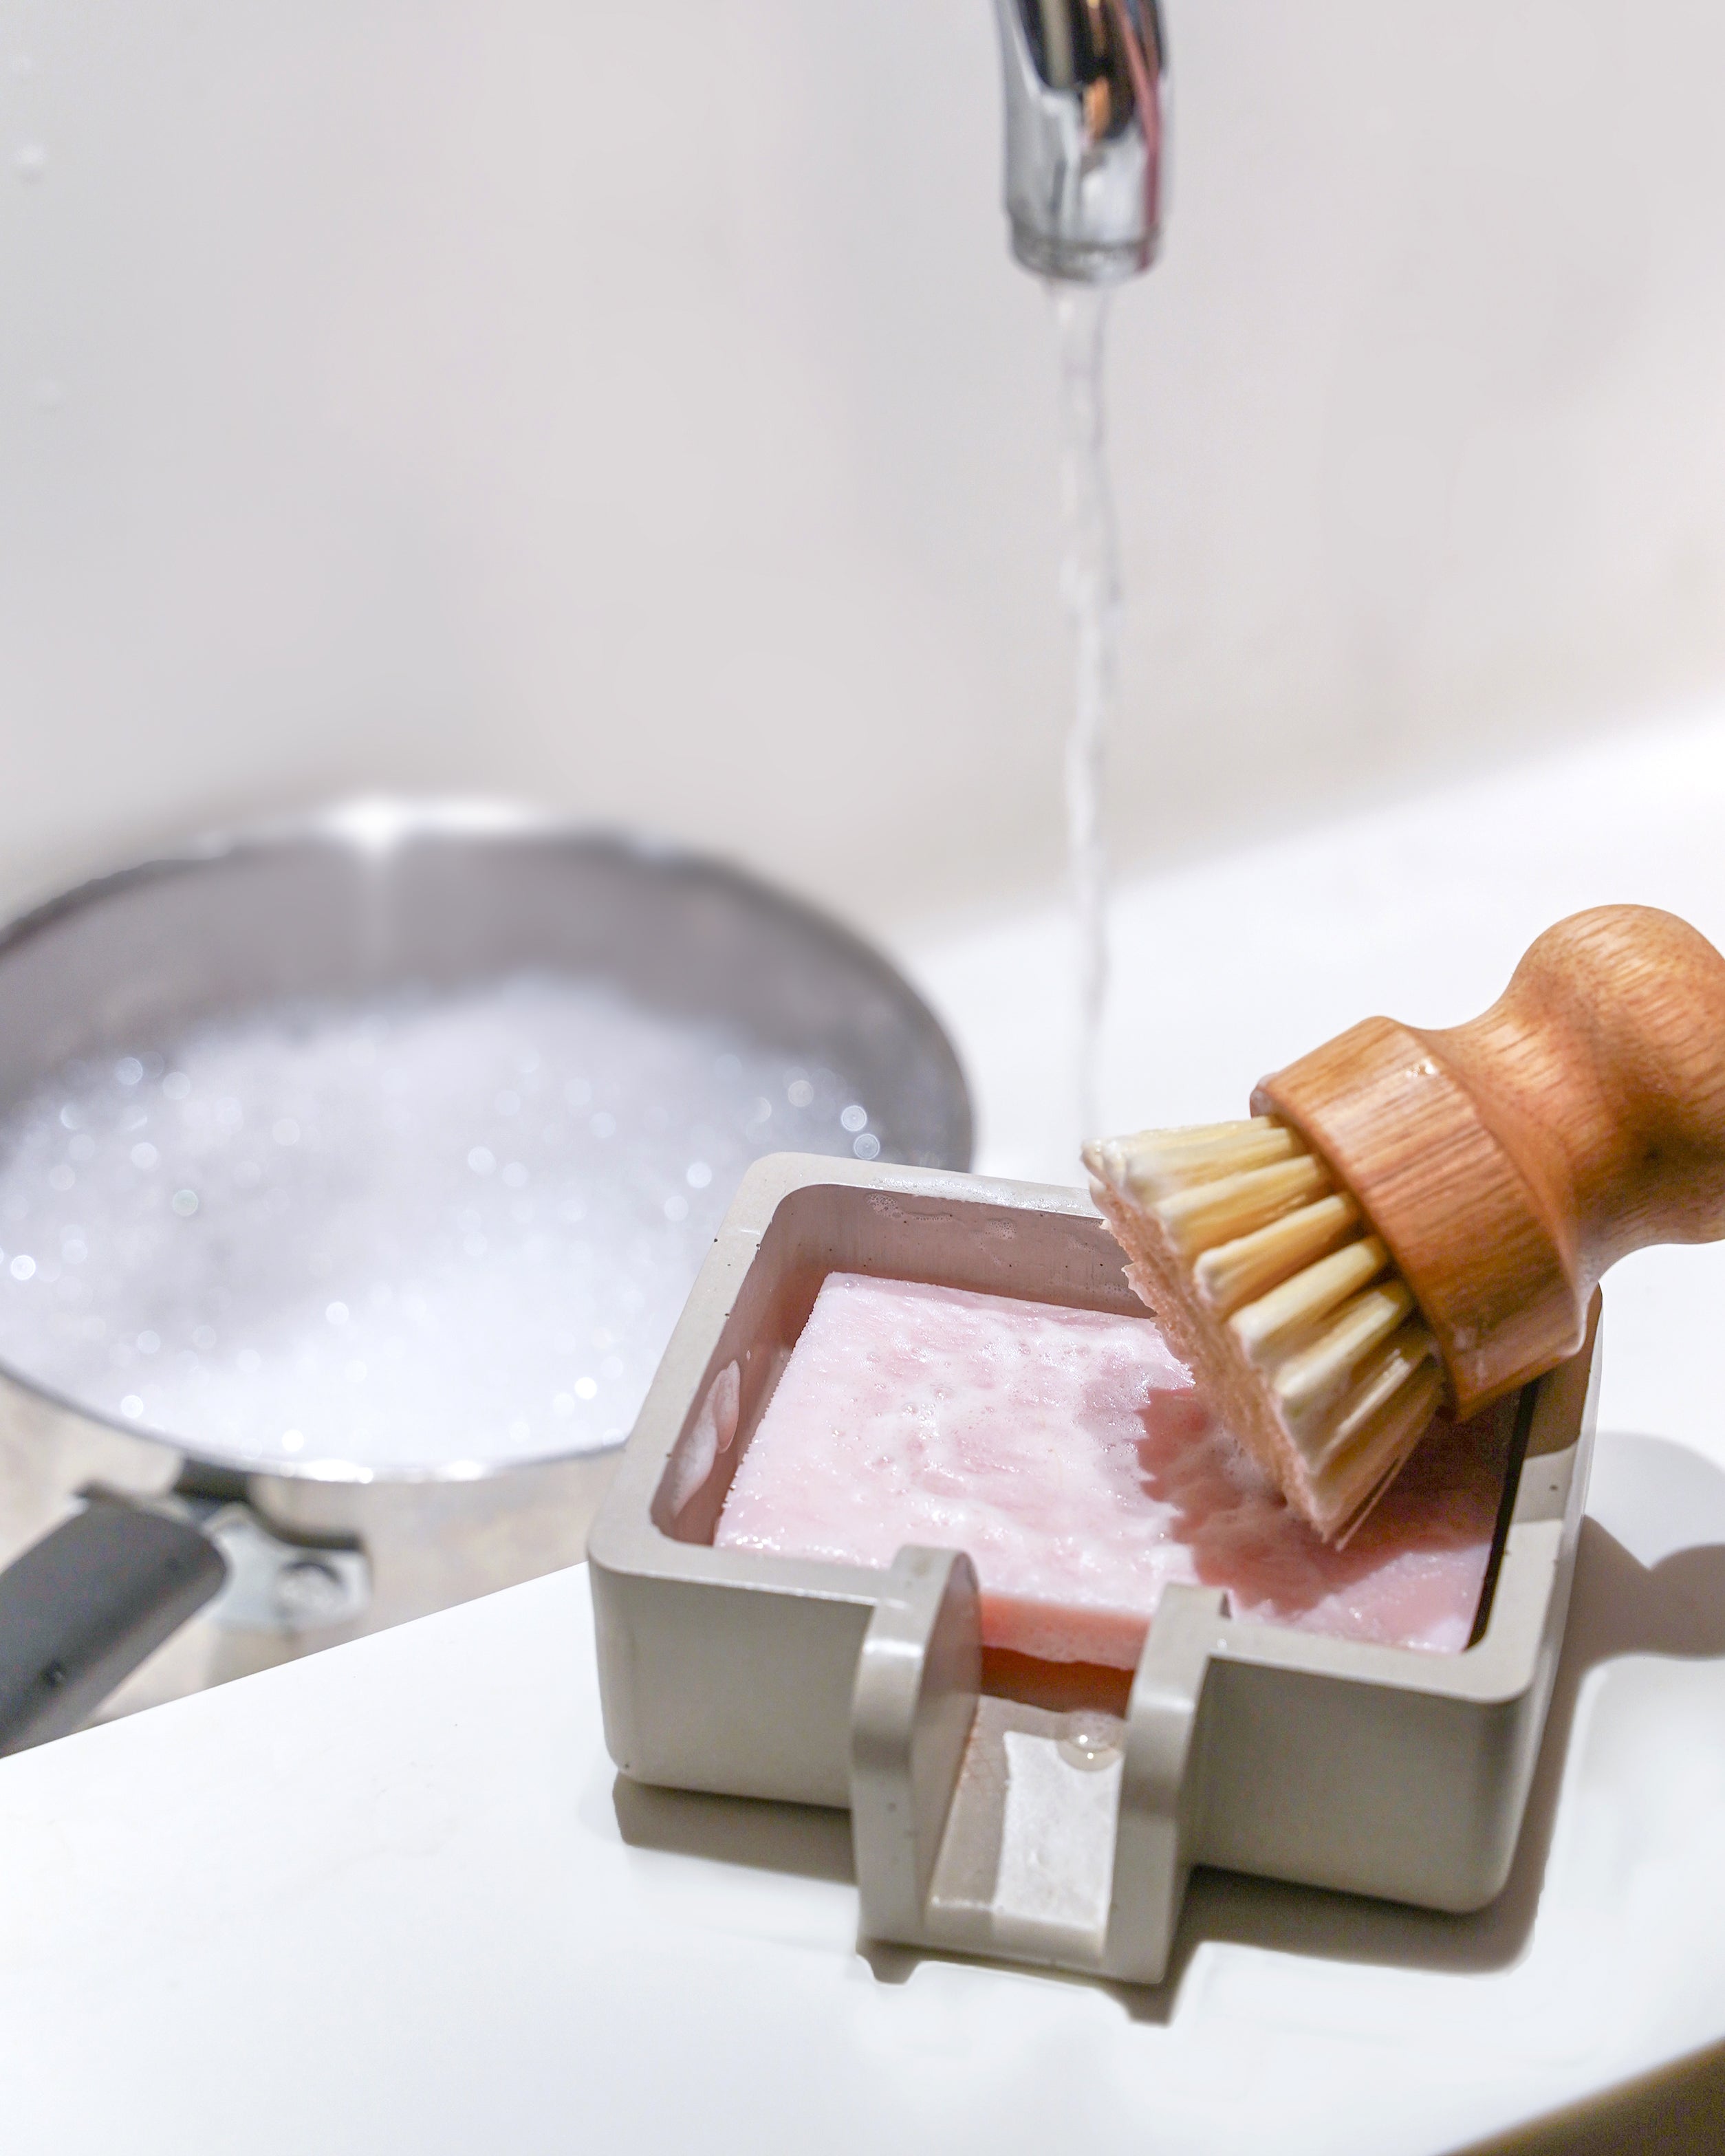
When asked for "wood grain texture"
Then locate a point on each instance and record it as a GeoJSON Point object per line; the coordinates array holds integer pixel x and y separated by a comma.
{"type": "Point", "coordinates": [1508, 1163]}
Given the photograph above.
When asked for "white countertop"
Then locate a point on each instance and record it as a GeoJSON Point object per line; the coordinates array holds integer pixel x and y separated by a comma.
{"type": "Point", "coordinates": [391, 1898]}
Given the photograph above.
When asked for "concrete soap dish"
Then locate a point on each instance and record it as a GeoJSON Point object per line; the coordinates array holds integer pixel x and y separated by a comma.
{"type": "Point", "coordinates": [1378, 1770]}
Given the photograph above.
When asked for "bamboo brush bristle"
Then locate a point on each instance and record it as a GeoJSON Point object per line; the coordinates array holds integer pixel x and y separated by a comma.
{"type": "Point", "coordinates": [1286, 1304]}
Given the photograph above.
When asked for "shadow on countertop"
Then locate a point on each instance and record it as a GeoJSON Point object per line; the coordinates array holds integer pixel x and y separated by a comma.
{"type": "Point", "coordinates": [806, 1842]}
{"type": "Point", "coordinates": [1617, 1607]}
{"type": "Point", "coordinates": [1677, 2111]}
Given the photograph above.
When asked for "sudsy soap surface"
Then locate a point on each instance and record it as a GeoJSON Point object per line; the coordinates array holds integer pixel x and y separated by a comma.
{"type": "Point", "coordinates": [1066, 1451]}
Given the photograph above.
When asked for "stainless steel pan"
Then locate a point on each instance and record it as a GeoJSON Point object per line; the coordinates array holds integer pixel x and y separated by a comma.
{"type": "Point", "coordinates": [124, 1535]}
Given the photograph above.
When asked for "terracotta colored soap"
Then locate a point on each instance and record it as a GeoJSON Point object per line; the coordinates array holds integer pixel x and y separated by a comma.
{"type": "Point", "coordinates": [1066, 1451]}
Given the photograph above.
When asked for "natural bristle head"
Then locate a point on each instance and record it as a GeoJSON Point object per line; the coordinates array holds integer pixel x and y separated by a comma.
{"type": "Point", "coordinates": [1291, 1310]}
{"type": "Point", "coordinates": [1199, 1215]}
{"type": "Point", "coordinates": [1230, 1274]}
{"type": "Point", "coordinates": [1151, 1164]}
{"type": "Point", "coordinates": [1296, 1314]}
{"type": "Point", "coordinates": [1317, 1376]}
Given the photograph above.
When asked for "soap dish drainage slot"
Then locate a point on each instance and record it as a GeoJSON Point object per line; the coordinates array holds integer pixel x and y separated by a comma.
{"type": "Point", "coordinates": [983, 1826]}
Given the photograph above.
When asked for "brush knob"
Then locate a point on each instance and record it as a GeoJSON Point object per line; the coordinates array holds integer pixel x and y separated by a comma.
{"type": "Point", "coordinates": [1508, 1163]}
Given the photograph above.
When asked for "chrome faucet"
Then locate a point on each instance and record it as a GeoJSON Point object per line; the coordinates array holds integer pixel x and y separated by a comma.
{"type": "Point", "coordinates": [1085, 95]}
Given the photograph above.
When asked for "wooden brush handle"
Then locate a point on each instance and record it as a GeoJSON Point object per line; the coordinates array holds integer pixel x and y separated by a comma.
{"type": "Point", "coordinates": [1506, 1163]}
{"type": "Point", "coordinates": [1603, 1066]}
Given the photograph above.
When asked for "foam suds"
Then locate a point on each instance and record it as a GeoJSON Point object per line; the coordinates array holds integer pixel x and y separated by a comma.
{"type": "Point", "coordinates": [407, 1234]}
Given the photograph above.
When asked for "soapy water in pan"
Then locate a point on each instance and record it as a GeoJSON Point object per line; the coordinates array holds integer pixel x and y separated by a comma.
{"type": "Point", "coordinates": [424, 1232]}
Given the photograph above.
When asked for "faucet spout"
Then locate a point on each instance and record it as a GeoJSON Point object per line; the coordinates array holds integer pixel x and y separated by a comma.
{"type": "Point", "coordinates": [1085, 98]}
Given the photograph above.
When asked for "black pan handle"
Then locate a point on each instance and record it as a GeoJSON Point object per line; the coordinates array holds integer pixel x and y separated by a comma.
{"type": "Point", "coordinates": [82, 1608]}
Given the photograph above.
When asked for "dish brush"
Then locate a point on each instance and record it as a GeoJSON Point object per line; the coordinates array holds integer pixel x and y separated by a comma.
{"type": "Point", "coordinates": [1414, 1221]}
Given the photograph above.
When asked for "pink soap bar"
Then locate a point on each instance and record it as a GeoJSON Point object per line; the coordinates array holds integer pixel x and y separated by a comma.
{"type": "Point", "coordinates": [1066, 1451]}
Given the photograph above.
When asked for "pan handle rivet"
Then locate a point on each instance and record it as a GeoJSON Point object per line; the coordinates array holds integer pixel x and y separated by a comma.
{"type": "Point", "coordinates": [309, 1592]}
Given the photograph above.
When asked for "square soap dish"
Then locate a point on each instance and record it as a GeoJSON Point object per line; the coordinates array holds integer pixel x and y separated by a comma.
{"type": "Point", "coordinates": [979, 1824]}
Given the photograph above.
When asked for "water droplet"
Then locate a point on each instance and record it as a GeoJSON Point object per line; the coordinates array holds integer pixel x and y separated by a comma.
{"type": "Point", "coordinates": [867, 1146]}
{"type": "Point", "coordinates": [676, 1208]}
{"type": "Point", "coordinates": [131, 1406]}
{"type": "Point", "coordinates": [176, 1085]}
{"type": "Point", "coordinates": [698, 1175]}
{"type": "Point", "coordinates": [128, 1070]}
{"type": "Point", "coordinates": [149, 1343]}
{"type": "Point", "coordinates": [1091, 1741]}
{"type": "Point", "coordinates": [284, 1130]}
{"type": "Point", "coordinates": [799, 1093]}
{"type": "Point", "coordinates": [337, 1313]}
{"type": "Point", "coordinates": [586, 1389]}
{"type": "Point", "coordinates": [184, 1203]}
{"type": "Point", "coordinates": [21, 1268]}
{"type": "Point", "coordinates": [144, 1155]}
{"type": "Point", "coordinates": [60, 1178]}
{"type": "Point", "coordinates": [855, 1117]}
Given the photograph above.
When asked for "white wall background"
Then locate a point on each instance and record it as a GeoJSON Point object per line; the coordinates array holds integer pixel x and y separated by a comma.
{"type": "Point", "coordinates": [632, 407]}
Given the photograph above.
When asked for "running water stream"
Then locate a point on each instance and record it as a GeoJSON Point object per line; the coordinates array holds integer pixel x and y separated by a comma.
{"type": "Point", "coordinates": [1089, 590]}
